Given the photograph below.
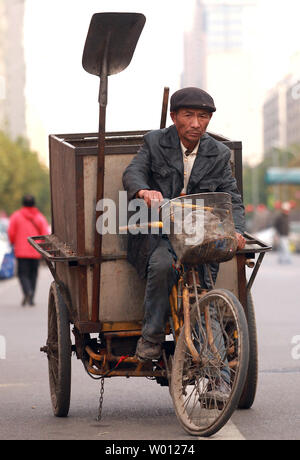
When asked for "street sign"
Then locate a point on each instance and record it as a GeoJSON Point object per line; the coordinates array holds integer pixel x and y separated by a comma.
{"type": "Point", "coordinates": [285, 176]}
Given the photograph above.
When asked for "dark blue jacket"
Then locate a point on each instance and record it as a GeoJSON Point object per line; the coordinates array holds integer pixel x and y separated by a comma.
{"type": "Point", "coordinates": [159, 166]}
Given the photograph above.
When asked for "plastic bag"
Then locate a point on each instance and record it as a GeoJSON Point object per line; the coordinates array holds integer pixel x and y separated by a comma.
{"type": "Point", "coordinates": [7, 269]}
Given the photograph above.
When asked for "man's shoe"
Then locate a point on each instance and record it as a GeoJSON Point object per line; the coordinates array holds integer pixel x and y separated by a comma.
{"type": "Point", "coordinates": [146, 350]}
{"type": "Point", "coordinates": [218, 393]}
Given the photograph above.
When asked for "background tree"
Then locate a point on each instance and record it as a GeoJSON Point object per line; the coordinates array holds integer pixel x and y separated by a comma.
{"type": "Point", "coordinates": [256, 191]}
{"type": "Point", "coordinates": [21, 172]}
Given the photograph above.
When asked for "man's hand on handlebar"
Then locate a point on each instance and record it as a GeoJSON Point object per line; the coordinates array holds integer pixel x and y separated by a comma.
{"type": "Point", "coordinates": [154, 198]}
{"type": "Point", "coordinates": [151, 197]}
{"type": "Point", "coordinates": [240, 240]}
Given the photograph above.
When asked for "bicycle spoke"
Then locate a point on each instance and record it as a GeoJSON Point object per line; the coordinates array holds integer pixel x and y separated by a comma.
{"type": "Point", "coordinates": [203, 399]}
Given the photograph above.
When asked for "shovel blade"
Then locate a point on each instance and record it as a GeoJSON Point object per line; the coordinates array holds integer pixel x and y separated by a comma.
{"type": "Point", "coordinates": [111, 41]}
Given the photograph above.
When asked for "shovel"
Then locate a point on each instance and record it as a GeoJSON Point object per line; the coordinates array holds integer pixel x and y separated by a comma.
{"type": "Point", "coordinates": [109, 47]}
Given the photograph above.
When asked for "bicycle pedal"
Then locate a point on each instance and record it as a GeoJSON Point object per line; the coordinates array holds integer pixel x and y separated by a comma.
{"type": "Point", "coordinates": [192, 291]}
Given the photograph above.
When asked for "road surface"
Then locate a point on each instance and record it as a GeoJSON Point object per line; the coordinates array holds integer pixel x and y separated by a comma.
{"type": "Point", "coordinates": [137, 408]}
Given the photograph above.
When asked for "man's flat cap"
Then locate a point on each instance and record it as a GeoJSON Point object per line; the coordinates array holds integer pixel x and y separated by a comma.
{"type": "Point", "coordinates": [195, 98]}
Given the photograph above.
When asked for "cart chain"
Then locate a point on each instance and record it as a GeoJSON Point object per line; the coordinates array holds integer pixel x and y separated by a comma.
{"type": "Point", "coordinates": [100, 400]}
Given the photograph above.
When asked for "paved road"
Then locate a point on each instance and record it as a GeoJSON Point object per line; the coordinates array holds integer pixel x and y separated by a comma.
{"type": "Point", "coordinates": [138, 408]}
{"type": "Point", "coordinates": [276, 411]}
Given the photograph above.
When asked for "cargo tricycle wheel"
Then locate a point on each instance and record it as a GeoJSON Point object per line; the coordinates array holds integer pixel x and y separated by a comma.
{"type": "Point", "coordinates": [249, 391]}
{"type": "Point", "coordinates": [219, 333]}
{"type": "Point", "coordinates": [59, 353]}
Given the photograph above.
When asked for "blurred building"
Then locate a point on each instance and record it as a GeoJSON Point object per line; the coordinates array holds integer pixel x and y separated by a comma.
{"type": "Point", "coordinates": [281, 111]}
{"type": "Point", "coordinates": [220, 57]}
{"type": "Point", "coordinates": [293, 113]}
{"type": "Point", "coordinates": [195, 50]}
{"type": "Point", "coordinates": [274, 117]}
{"type": "Point", "coordinates": [12, 68]}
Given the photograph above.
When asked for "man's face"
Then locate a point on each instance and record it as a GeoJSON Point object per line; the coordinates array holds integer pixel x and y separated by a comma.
{"type": "Point", "coordinates": [191, 124]}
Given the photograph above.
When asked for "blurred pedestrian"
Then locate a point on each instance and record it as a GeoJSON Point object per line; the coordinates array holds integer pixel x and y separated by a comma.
{"type": "Point", "coordinates": [282, 227]}
{"type": "Point", "coordinates": [25, 222]}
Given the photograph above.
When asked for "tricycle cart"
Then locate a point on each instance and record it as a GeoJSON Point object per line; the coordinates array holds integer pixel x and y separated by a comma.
{"type": "Point", "coordinates": [106, 324]}
{"type": "Point", "coordinates": [69, 254]}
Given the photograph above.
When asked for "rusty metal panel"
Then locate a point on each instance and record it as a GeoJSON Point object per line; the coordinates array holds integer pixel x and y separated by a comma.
{"type": "Point", "coordinates": [73, 188]}
{"type": "Point", "coordinates": [89, 187]}
{"type": "Point", "coordinates": [112, 244]}
{"type": "Point", "coordinates": [114, 166]}
{"type": "Point", "coordinates": [121, 292]}
{"type": "Point", "coordinates": [69, 278]}
{"type": "Point", "coordinates": [63, 188]}
{"type": "Point", "coordinates": [227, 277]}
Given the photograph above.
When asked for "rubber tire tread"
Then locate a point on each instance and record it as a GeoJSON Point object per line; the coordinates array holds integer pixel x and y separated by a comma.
{"type": "Point", "coordinates": [61, 394]}
{"type": "Point", "coordinates": [249, 391]}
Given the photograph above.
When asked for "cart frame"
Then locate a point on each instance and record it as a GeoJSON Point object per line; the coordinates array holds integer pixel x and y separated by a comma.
{"type": "Point", "coordinates": [70, 258]}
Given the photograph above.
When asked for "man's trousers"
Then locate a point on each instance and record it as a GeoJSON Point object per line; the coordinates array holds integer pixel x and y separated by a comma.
{"type": "Point", "coordinates": [161, 277]}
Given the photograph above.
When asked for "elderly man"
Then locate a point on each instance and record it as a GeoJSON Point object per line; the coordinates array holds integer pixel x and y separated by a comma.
{"type": "Point", "coordinates": [181, 159]}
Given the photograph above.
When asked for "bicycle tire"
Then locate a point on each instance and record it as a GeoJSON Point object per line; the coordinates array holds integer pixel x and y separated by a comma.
{"type": "Point", "coordinates": [59, 351]}
{"type": "Point", "coordinates": [249, 391]}
{"type": "Point", "coordinates": [190, 381]}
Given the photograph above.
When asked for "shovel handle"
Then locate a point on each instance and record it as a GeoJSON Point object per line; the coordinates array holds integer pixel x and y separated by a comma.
{"type": "Point", "coordinates": [99, 195]}
{"type": "Point", "coordinates": [164, 108]}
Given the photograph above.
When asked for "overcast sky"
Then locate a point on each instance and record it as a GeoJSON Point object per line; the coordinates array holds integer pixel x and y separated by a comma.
{"type": "Point", "coordinates": [62, 97]}
{"type": "Point", "coordinates": [65, 98]}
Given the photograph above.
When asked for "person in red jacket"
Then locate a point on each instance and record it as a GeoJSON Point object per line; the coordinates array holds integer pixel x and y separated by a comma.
{"type": "Point", "coordinates": [25, 222]}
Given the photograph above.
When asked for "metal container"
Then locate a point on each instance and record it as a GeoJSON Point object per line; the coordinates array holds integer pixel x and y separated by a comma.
{"type": "Point", "coordinates": [70, 250]}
